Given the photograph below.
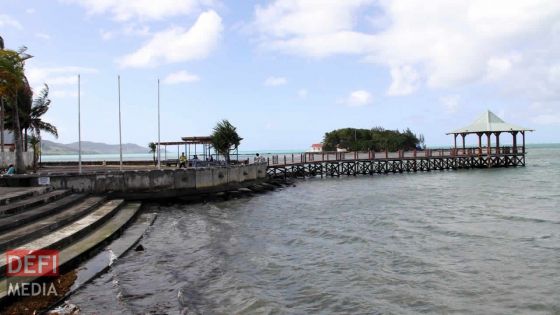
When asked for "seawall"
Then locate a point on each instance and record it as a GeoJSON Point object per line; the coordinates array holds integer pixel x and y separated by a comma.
{"type": "Point", "coordinates": [148, 184]}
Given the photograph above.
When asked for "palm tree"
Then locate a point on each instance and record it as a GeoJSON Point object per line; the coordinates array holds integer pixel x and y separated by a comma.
{"type": "Point", "coordinates": [34, 122]}
{"type": "Point", "coordinates": [36, 146]}
{"type": "Point", "coordinates": [225, 138]}
{"type": "Point", "coordinates": [153, 148]}
{"type": "Point", "coordinates": [12, 78]}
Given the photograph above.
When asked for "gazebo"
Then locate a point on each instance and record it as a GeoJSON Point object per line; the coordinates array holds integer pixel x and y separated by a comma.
{"type": "Point", "coordinates": [490, 124]}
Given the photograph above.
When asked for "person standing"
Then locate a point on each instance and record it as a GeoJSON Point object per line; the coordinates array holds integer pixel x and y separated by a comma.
{"type": "Point", "coordinates": [183, 161]}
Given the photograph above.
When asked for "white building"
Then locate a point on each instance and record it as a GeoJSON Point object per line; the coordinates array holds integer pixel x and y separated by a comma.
{"type": "Point", "coordinates": [317, 147]}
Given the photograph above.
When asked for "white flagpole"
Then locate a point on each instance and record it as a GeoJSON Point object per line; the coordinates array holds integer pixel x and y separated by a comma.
{"type": "Point", "coordinates": [79, 130]}
{"type": "Point", "coordinates": [159, 129]}
{"type": "Point", "coordinates": [120, 127]}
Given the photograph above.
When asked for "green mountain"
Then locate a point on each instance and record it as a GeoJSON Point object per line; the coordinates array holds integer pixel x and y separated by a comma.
{"type": "Point", "coordinates": [88, 147]}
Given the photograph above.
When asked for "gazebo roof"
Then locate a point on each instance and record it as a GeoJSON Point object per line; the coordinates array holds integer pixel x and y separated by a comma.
{"type": "Point", "coordinates": [489, 122]}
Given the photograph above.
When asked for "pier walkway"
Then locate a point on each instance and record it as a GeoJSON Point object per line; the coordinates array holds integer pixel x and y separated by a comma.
{"type": "Point", "coordinates": [369, 163]}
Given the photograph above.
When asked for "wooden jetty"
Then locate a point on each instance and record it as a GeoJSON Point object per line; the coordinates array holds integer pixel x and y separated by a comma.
{"type": "Point", "coordinates": [312, 164]}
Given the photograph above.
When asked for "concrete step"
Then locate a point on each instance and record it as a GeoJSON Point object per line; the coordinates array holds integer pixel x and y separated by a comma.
{"type": "Point", "coordinates": [30, 202]}
{"type": "Point", "coordinates": [104, 232]}
{"type": "Point", "coordinates": [14, 221]}
{"type": "Point", "coordinates": [12, 194]}
{"type": "Point", "coordinates": [42, 227]}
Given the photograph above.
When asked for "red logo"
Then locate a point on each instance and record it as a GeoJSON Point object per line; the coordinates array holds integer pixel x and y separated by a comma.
{"type": "Point", "coordinates": [35, 263]}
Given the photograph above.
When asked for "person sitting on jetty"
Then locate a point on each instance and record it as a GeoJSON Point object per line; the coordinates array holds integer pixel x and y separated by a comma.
{"type": "Point", "coordinates": [194, 160]}
{"type": "Point", "coordinates": [11, 170]}
{"type": "Point", "coordinates": [258, 158]}
{"type": "Point", "coordinates": [183, 161]}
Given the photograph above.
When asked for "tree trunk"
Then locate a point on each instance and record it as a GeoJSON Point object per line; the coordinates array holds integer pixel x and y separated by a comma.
{"type": "Point", "coordinates": [25, 142]}
{"type": "Point", "coordinates": [20, 164]}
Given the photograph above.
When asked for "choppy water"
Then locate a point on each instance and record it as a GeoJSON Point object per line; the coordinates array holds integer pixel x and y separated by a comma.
{"type": "Point", "coordinates": [474, 241]}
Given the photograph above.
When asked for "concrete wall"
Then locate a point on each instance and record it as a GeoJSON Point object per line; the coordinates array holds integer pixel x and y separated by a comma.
{"type": "Point", "coordinates": [8, 158]}
{"type": "Point", "coordinates": [161, 183]}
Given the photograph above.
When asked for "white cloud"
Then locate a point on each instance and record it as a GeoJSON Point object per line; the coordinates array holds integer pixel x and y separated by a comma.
{"type": "Point", "coordinates": [302, 93]}
{"type": "Point", "coordinates": [275, 81]}
{"type": "Point", "coordinates": [128, 30]}
{"type": "Point", "coordinates": [142, 9]}
{"type": "Point", "coordinates": [547, 119]}
{"type": "Point", "coordinates": [30, 11]}
{"type": "Point", "coordinates": [43, 36]}
{"type": "Point", "coordinates": [178, 44]}
{"type": "Point", "coordinates": [405, 81]}
{"type": "Point", "coordinates": [8, 21]}
{"type": "Point", "coordinates": [62, 93]}
{"type": "Point", "coordinates": [444, 43]}
{"type": "Point", "coordinates": [545, 113]}
{"type": "Point", "coordinates": [180, 77]}
{"type": "Point", "coordinates": [450, 103]}
{"type": "Point", "coordinates": [55, 76]}
{"type": "Point", "coordinates": [358, 98]}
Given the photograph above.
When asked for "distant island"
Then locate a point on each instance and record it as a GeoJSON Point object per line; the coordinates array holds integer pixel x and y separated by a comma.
{"type": "Point", "coordinates": [377, 139]}
{"type": "Point", "coordinates": [88, 147]}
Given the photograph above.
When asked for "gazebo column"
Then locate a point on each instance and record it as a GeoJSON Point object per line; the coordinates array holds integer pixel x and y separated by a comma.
{"type": "Point", "coordinates": [455, 141]}
{"type": "Point", "coordinates": [488, 144]}
{"type": "Point", "coordinates": [463, 135]}
{"type": "Point", "coordinates": [514, 134]}
{"type": "Point", "coordinates": [479, 134]}
{"type": "Point", "coordinates": [497, 142]}
{"type": "Point", "coordinates": [523, 137]}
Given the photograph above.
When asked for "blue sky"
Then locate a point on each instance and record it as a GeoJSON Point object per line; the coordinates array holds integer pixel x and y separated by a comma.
{"type": "Point", "coordinates": [286, 71]}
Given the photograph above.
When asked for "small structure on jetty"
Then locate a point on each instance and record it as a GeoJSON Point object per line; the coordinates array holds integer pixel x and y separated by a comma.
{"type": "Point", "coordinates": [311, 164]}
{"type": "Point", "coordinates": [489, 124]}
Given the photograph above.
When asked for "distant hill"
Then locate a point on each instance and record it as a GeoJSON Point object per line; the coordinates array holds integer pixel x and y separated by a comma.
{"type": "Point", "coordinates": [88, 147]}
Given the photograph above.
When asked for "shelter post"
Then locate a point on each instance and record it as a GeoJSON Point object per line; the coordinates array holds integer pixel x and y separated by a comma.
{"type": "Point", "coordinates": [479, 134]}
{"type": "Point", "coordinates": [498, 142]}
{"type": "Point", "coordinates": [488, 143]}
{"type": "Point", "coordinates": [514, 134]}
{"type": "Point", "coordinates": [455, 141]}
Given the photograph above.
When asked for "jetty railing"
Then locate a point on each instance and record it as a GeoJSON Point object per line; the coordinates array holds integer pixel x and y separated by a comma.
{"type": "Point", "coordinates": [330, 156]}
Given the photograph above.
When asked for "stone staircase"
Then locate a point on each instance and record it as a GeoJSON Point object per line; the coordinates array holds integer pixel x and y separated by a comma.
{"type": "Point", "coordinates": [36, 218]}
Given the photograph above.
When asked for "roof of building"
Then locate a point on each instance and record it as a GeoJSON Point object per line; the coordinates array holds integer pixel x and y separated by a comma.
{"type": "Point", "coordinates": [317, 145]}
{"type": "Point", "coordinates": [198, 140]}
{"type": "Point", "coordinates": [489, 122]}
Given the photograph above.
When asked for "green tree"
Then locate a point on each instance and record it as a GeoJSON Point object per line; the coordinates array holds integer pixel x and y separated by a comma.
{"type": "Point", "coordinates": [377, 139]}
{"type": "Point", "coordinates": [12, 79]}
{"type": "Point", "coordinates": [33, 122]}
{"type": "Point", "coordinates": [225, 138]}
{"type": "Point", "coordinates": [36, 147]}
{"type": "Point", "coordinates": [153, 149]}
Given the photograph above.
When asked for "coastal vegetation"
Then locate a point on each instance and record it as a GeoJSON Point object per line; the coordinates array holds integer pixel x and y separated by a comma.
{"type": "Point", "coordinates": [375, 139]}
{"type": "Point", "coordinates": [225, 138]}
{"type": "Point", "coordinates": [153, 149]}
{"type": "Point", "coordinates": [19, 113]}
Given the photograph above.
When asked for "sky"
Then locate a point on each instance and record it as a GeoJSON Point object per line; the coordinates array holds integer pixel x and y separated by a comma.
{"type": "Point", "coordinates": [284, 72]}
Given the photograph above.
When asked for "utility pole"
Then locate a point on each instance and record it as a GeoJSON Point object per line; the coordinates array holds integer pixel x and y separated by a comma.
{"type": "Point", "coordinates": [79, 130]}
{"type": "Point", "coordinates": [158, 129]}
{"type": "Point", "coordinates": [120, 126]}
